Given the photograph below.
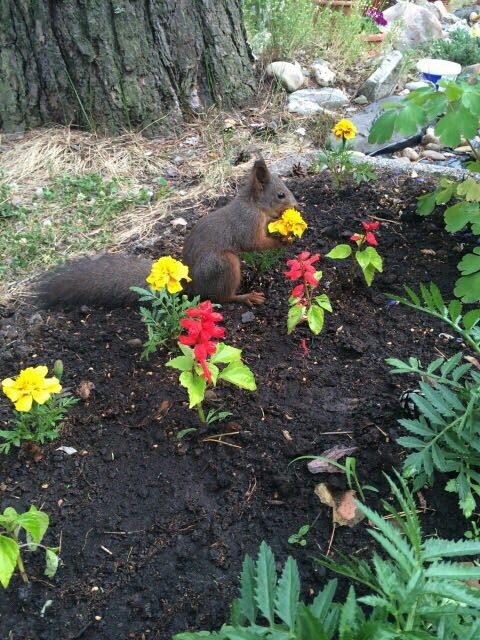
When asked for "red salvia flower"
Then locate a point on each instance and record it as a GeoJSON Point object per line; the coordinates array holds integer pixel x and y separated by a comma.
{"type": "Point", "coordinates": [302, 267]}
{"type": "Point", "coordinates": [200, 333]}
{"type": "Point", "coordinates": [369, 237]}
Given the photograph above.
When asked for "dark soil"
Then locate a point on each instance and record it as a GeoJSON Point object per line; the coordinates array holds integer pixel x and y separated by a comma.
{"type": "Point", "coordinates": [153, 529]}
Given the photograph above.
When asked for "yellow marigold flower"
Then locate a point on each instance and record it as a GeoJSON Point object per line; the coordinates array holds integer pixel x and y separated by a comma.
{"type": "Point", "coordinates": [167, 272]}
{"type": "Point", "coordinates": [290, 224]}
{"type": "Point", "coordinates": [345, 129]}
{"type": "Point", "coordinates": [30, 384]}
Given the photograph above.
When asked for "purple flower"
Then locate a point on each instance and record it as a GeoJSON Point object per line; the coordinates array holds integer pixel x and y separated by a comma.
{"type": "Point", "coordinates": [376, 15]}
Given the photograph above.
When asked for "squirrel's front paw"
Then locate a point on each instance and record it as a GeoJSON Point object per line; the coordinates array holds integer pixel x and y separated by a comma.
{"type": "Point", "coordinates": [255, 297]}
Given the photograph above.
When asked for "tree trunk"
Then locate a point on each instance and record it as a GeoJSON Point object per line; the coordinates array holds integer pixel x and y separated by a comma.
{"type": "Point", "coordinates": [112, 65]}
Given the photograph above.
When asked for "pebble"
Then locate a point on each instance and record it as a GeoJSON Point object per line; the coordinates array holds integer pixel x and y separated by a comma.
{"type": "Point", "coordinates": [248, 316]}
{"type": "Point", "coordinates": [433, 146]}
{"type": "Point", "coordinates": [416, 84]}
{"type": "Point", "coordinates": [134, 342]}
{"type": "Point", "coordinates": [432, 155]}
{"type": "Point", "coordinates": [409, 153]}
{"type": "Point", "coordinates": [360, 100]}
{"type": "Point", "coordinates": [430, 136]}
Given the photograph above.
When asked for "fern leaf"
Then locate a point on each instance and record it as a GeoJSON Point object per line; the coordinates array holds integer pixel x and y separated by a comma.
{"type": "Point", "coordinates": [266, 578]}
{"type": "Point", "coordinates": [453, 571]}
{"type": "Point", "coordinates": [246, 601]}
{"type": "Point", "coordinates": [347, 624]}
{"type": "Point", "coordinates": [438, 400]}
{"type": "Point", "coordinates": [449, 365]}
{"type": "Point", "coordinates": [288, 593]}
{"type": "Point", "coordinates": [435, 548]}
{"type": "Point", "coordinates": [457, 592]}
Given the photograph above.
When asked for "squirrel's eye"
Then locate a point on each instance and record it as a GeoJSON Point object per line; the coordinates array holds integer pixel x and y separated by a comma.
{"type": "Point", "coordinates": [280, 195]}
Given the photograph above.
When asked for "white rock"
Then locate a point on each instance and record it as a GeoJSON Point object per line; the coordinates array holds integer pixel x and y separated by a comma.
{"type": "Point", "coordinates": [290, 75]}
{"type": "Point", "coordinates": [324, 76]}
{"type": "Point", "coordinates": [409, 153]}
{"type": "Point", "coordinates": [412, 24]}
{"type": "Point", "coordinates": [327, 97]}
{"type": "Point", "coordinates": [430, 136]}
{"type": "Point", "coordinates": [361, 99]}
{"type": "Point", "coordinates": [432, 155]}
{"type": "Point", "coordinates": [433, 146]}
{"type": "Point", "coordinates": [303, 107]}
{"type": "Point", "coordinates": [416, 84]}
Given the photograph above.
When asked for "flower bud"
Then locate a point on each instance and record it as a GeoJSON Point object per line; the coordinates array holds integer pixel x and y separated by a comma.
{"type": "Point", "coordinates": [58, 369]}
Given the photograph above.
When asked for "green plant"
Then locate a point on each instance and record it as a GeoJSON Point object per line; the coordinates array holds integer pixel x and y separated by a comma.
{"type": "Point", "coordinates": [458, 47]}
{"type": "Point", "coordinates": [299, 537]}
{"type": "Point", "coordinates": [40, 407]}
{"type": "Point", "coordinates": [446, 435]}
{"type": "Point", "coordinates": [338, 159]}
{"type": "Point", "coordinates": [262, 261]}
{"type": "Point", "coordinates": [457, 107]}
{"type": "Point", "coordinates": [418, 590]}
{"type": "Point", "coordinates": [474, 532]}
{"type": "Point", "coordinates": [35, 524]}
{"type": "Point", "coordinates": [463, 214]}
{"type": "Point", "coordinates": [166, 306]}
{"type": "Point", "coordinates": [198, 366]}
{"type": "Point", "coordinates": [304, 306]}
{"type": "Point", "coordinates": [368, 259]}
{"type": "Point", "coordinates": [349, 468]}
{"type": "Point", "coordinates": [417, 593]}
{"type": "Point", "coordinates": [278, 27]}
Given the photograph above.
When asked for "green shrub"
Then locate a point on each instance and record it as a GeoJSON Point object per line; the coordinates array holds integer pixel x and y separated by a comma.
{"type": "Point", "coordinates": [458, 47]}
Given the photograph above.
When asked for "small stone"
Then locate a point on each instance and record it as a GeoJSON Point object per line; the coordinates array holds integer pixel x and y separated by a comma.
{"type": "Point", "coordinates": [178, 160]}
{"type": "Point", "coordinates": [430, 136]}
{"type": "Point", "coordinates": [433, 146]}
{"type": "Point", "coordinates": [134, 342]}
{"type": "Point", "coordinates": [432, 155]}
{"type": "Point", "coordinates": [409, 153]}
{"type": "Point", "coordinates": [248, 316]}
{"type": "Point", "coordinates": [416, 84]}
{"type": "Point", "coordinates": [360, 100]}
{"type": "Point", "coordinates": [290, 75]}
{"type": "Point", "coordinates": [324, 76]}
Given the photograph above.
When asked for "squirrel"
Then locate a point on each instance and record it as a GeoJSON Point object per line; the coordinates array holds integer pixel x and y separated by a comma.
{"type": "Point", "coordinates": [210, 251]}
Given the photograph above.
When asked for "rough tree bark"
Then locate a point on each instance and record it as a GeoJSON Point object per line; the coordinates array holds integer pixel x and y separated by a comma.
{"type": "Point", "coordinates": [112, 65]}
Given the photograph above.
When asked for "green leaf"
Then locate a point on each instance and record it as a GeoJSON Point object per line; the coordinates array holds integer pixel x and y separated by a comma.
{"type": "Point", "coordinates": [459, 215]}
{"type": "Point", "coordinates": [51, 562]}
{"type": "Point", "coordinates": [186, 350]}
{"type": "Point", "coordinates": [409, 119]}
{"type": "Point", "coordinates": [383, 127]}
{"type": "Point", "coordinates": [471, 318]}
{"type": "Point", "coordinates": [195, 386]}
{"type": "Point", "coordinates": [454, 124]}
{"type": "Point", "coordinates": [183, 363]}
{"type": "Point", "coordinates": [296, 314]}
{"type": "Point", "coordinates": [35, 522]}
{"type": "Point", "coordinates": [426, 203]}
{"type": "Point", "coordinates": [347, 616]}
{"type": "Point", "coordinates": [308, 626]}
{"type": "Point", "coordinates": [247, 589]}
{"type": "Point", "coordinates": [340, 252]}
{"type": "Point", "coordinates": [9, 551]}
{"type": "Point", "coordinates": [323, 301]}
{"type": "Point", "coordinates": [266, 582]}
{"type": "Point", "coordinates": [240, 375]}
{"type": "Point", "coordinates": [469, 188]}
{"type": "Point", "coordinates": [315, 319]}
{"type": "Point", "coordinates": [226, 354]}
{"type": "Point", "coordinates": [288, 593]}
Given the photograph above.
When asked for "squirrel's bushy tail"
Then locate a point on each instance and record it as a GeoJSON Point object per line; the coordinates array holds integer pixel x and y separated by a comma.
{"type": "Point", "coordinates": [103, 280]}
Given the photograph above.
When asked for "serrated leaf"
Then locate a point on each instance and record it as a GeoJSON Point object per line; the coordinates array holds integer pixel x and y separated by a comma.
{"type": "Point", "coordinates": [225, 354]}
{"type": "Point", "coordinates": [240, 375]}
{"type": "Point", "coordinates": [182, 363]}
{"type": "Point", "coordinates": [459, 215]}
{"type": "Point", "coordinates": [457, 122]}
{"type": "Point", "coordinates": [315, 319]}
{"type": "Point", "coordinates": [409, 119]}
{"type": "Point", "coordinates": [195, 386]}
{"type": "Point", "coordinates": [247, 590]}
{"type": "Point", "coordinates": [9, 551]}
{"type": "Point", "coordinates": [308, 625]}
{"type": "Point", "coordinates": [35, 522]}
{"type": "Point", "coordinates": [471, 318]}
{"type": "Point", "coordinates": [288, 593]}
{"type": "Point", "coordinates": [426, 203]}
{"type": "Point", "coordinates": [467, 288]}
{"type": "Point", "coordinates": [469, 188]}
{"type": "Point", "coordinates": [340, 252]}
{"type": "Point", "coordinates": [383, 127]}
{"type": "Point", "coordinates": [266, 582]}
{"type": "Point", "coordinates": [296, 314]}
{"type": "Point", "coordinates": [51, 562]}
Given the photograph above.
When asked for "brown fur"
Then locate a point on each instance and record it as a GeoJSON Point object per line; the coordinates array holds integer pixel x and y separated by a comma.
{"type": "Point", "coordinates": [210, 251]}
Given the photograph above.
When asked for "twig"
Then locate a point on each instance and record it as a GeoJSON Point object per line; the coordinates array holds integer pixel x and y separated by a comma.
{"type": "Point", "coordinates": [330, 542]}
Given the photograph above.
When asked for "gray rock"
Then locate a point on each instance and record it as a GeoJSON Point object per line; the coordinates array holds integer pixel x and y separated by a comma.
{"type": "Point", "coordinates": [433, 146]}
{"type": "Point", "coordinates": [323, 75]}
{"type": "Point", "coordinates": [412, 24]}
{"type": "Point", "coordinates": [290, 75]}
{"type": "Point", "coordinates": [432, 155]}
{"type": "Point", "coordinates": [360, 100]}
{"type": "Point", "coordinates": [247, 317]}
{"type": "Point", "coordinates": [303, 107]}
{"type": "Point", "coordinates": [326, 98]}
{"type": "Point", "coordinates": [384, 80]}
{"type": "Point", "coordinates": [416, 84]}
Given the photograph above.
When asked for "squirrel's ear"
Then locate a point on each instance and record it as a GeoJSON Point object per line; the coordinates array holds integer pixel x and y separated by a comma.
{"type": "Point", "coordinates": [261, 176]}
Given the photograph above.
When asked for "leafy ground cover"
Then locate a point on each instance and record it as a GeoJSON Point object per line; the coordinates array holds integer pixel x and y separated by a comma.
{"type": "Point", "coordinates": [152, 528]}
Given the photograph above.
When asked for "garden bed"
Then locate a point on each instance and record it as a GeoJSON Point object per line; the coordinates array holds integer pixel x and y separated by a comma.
{"type": "Point", "coordinates": [153, 529]}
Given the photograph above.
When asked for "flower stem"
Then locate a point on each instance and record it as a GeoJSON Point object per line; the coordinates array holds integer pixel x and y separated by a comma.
{"type": "Point", "coordinates": [201, 413]}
